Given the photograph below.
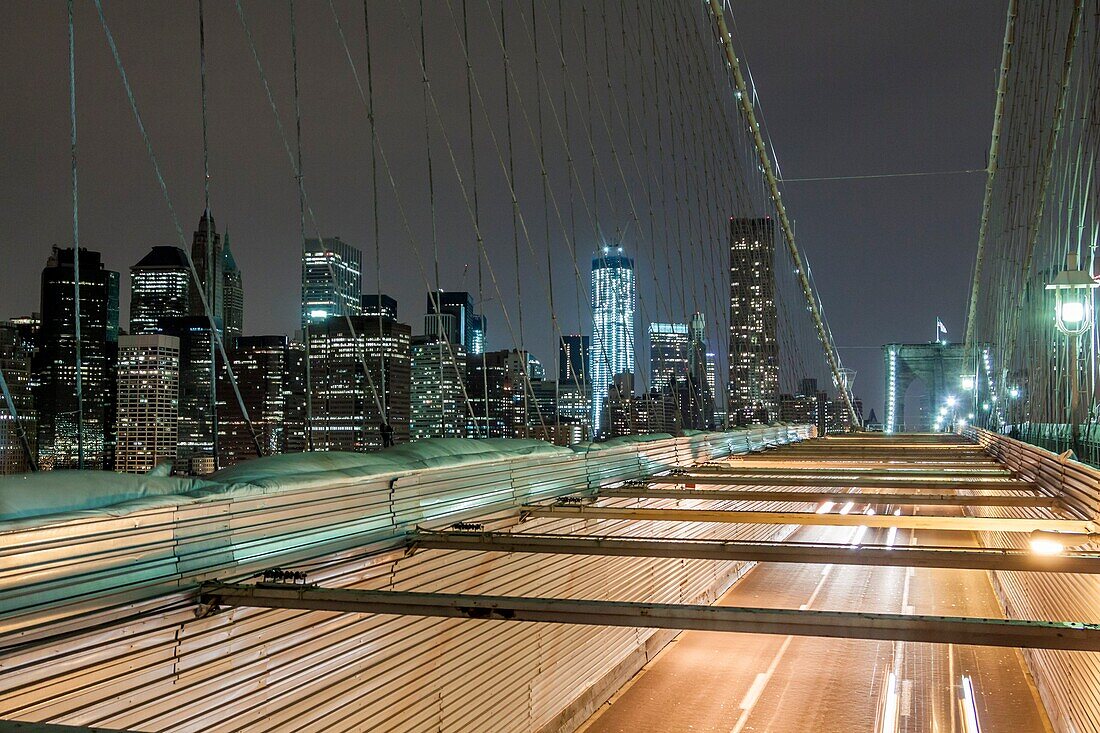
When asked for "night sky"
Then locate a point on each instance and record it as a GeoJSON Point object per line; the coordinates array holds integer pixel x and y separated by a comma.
{"type": "Point", "coordinates": [846, 88]}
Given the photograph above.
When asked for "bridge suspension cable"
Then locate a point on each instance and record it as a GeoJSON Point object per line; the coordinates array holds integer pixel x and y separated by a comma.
{"type": "Point", "coordinates": [788, 231]}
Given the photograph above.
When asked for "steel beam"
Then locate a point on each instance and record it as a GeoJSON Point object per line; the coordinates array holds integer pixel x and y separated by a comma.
{"type": "Point", "coordinates": [905, 521]}
{"type": "Point", "coordinates": [902, 471]}
{"type": "Point", "coordinates": [961, 558]}
{"type": "Point", "coordinates": [918, 499]}
{"type": "Point", "coordinates": [902, 484]}
{"type": "Point", "coordinates": [750, 461]}
{"type": "Point", "coordinates": [831, 624]}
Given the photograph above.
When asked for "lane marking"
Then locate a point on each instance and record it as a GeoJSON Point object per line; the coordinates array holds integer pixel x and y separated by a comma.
{"type": "Point", "coordinates": [761, 680]}
{"type": "Point", "coordinates": [754, 691]}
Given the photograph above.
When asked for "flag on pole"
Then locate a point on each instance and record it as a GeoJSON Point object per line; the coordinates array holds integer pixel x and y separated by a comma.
{"type": "Point", "coordinates": [940, 328]}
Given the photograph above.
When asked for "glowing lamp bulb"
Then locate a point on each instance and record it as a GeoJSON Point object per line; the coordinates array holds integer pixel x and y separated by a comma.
{"type": "Point", "coordinates": [1046, 546]}
{"type": "Point", "coordinates": [1073, 311]}
{"type": "Point", "coordinates": [968, 383]}
{"type": "Point", "coordinates": [952, 401]}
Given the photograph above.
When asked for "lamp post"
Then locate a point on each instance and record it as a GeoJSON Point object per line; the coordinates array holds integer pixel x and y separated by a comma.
{"type": "Point", "coordinates": [1073, 315]}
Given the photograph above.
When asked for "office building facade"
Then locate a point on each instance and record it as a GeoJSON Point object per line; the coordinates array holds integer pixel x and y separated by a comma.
{"type": "Point", "coordinates": [270, 375]}
{"type": "Point", "coordinates": [668, 355]}
{"type": "Point", "coordinates": [160, 287]}
{"type": "Point", "coordinates": [332, 280]}
{"type": "Point", "coordinates": [148, 402]}
{"type": "Point", "coordinates": [437, 393]}
{"type": "Point", "coordinates": [15, 363]}
{"type": "Point", "coordinates": [613, 301]}
{"type": "Point", "coordinates": [347, 405]}
{"type": "Point", "coordinates": [573, 358]}
{"type": "Point", "coordinates": [754, 338]}
{"type": "Point", "coordinates": [232, 293]}
{"type": "Point", "coordinates": [60, 414]}
{"type": "Point", "coordinates": [206, 254]}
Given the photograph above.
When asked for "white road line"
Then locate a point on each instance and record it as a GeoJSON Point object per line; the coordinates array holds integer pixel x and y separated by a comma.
{"type": "Point", "coordinates": [761, 680]}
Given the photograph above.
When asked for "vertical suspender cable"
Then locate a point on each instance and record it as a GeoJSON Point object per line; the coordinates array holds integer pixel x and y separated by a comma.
{"type": "Point", "coordinates": [301, 221]}
{"type": "Point", "coordinates": [76, 250]}
{"type": "Point", "coordinates": [520, 354]}
{"type": "Point", "coordinates": [435, 293]}
{"type": "Point", "coordinates": [374, 196]}
{"type": "Point", "coordinates": [211, 272]}
{"type": "Point", "coordinates": [172, 213]}
{"type": "Point", "coordinates": [554, 326]}
{"type": "Point", "coordinates": [211, 266]}
{"type": "Point", "coordinates": [360, 352]}
{"type": "Point", "coordinates": [477, 209]}
{"type": "Point", "coordinates": [1047, 163]}
{"type": "Point", "coordinates": [781, 211]}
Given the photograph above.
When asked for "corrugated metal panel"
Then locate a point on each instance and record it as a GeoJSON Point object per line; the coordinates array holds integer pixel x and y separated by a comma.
{"type": "Point", "coordinates": [99, 629]}
{"type": "Point", "coordinates": [1068, 682]}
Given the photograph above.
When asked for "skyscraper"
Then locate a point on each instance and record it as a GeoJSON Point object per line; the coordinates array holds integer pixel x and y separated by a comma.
{"type": "Point", "coordinates": [332, 280]}
{"type": "Point", "coordinates": [206, 253]}
{"type": "Point", "coordinates": [668, 355]}
{"type": "Point", "coordinates": [346, 413]}
{"type": "Point", "coordinates": [375, 305]}
{"type": "Point", "coordinates": [465, 327]}
{"type": "Point", "coordinates": [15, 363]}
{"type": "Point", "coordinates": [754, 339]}
{"type": "Point", "coordinates": [698, 412]}
{"type": "Point", "coordinates": [269, 374]}
{"type": "Point", "coordinates": [55, 362]}
{"type": "Point", "coordinates": [160, 287]}
{"type": "Point", "coordinates": [477, 336]}
{"type": "Point", "coordinates": [573, 356]}
{"type": "Point", "coordinates": [232, 293]}
{"type": "Point", "coordinates": [613, 301]}
{"type": "Point", "coordinates": [195, 446]}
{"type": "Point", "coordinates": [148, 402]}
{"type": "Point", "coordinates": [437, 401]}
{"type": "Point", "coordinates": [495, 385]}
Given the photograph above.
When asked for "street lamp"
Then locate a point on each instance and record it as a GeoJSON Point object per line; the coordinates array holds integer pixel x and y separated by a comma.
{"type": "Point", "coordinates": [1044, 542]}
{"type": "Point", "coordinates": [1073, 312]}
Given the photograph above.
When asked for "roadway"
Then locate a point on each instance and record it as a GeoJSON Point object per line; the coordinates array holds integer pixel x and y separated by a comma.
{"type": "Point", "coordinates": [734, 683]}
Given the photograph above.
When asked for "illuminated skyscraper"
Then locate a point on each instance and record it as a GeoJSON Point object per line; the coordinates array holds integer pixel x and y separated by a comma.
{"type": "Point", "coordinates": [375, 305]}
{"type": "Point", "coordinates": [15, 362]}
{"type": "Point", "coordinates": [148, 402]}
{"type": "Point", "coordinates": [438, 405]}
{"type": "Point", "coordinates": [195, 447]}
{"type": "Point", "coordinates": [346, 413]}
{"type": "Point", "coordinates": [668, 355]}
{"type": "Point", "coordinates": [232, 293]}
{"type": "Point", "coordinates": [573, 356]}
{"type": "Point", "coordinates": [270, 374]}
{"type": "Point", "coordinates": [160, 287]}
{"type": "Point", "coordinates": [55, 361]}
{"type": "Point", "coordinates": [699, 412]}
{"type": "Point", "coordinates": [332, 280]}
{"type": "Point", "coordinates": [464, 327]}
{"type": "Point", "coordinates": [206, 253]}
{"type": "Point", "coordinates": [754, 340]}
{"type": "Point", "coordinates": [477, 336]}
{"type": "Point", "coordinates": [614, 300]}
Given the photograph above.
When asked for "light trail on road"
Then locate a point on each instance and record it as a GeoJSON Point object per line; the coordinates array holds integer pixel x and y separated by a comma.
{"type": "Point", "coordinates": [750, 683]}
